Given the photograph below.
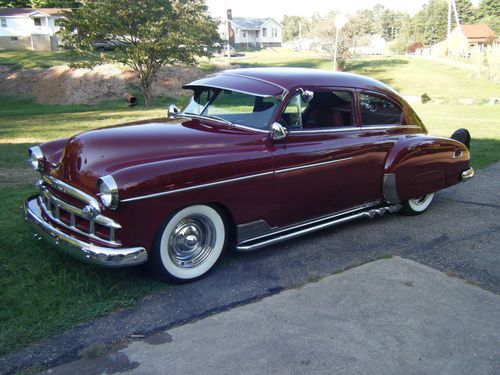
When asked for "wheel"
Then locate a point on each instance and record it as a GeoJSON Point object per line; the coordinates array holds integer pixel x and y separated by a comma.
{"type": "Point", "coordinates": [417, 206]}
{"type": "Point", "coordinates": [189, 244]}
{"type": "Point", "coordinates": [462, 136]}
{"type": "Point", "coordinates": [100, 49]}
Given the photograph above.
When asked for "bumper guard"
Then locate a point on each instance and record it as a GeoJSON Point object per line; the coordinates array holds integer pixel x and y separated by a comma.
{"type": "Point", "coordinates": [87, 252]}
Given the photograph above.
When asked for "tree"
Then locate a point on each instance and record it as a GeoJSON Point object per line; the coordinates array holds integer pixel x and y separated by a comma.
{"type": "Point", "coordinates": [429, 25]}
{"type": "Point", "coordinates": [291, 25]}
{"type": "Point", "coordinates": [391, 23]}
{"type": "Point", "coordinates": [39, 3]}
{"type": "Point", "coordinates": [55, 3]}
{"type": "Point", "coordinates": [466, 11]}
{"type": "Point", "coordinates": [15, 4]}
{"type": "Point", "coordinates": [148, 34]}
{"type": "Point", "coordinates": [489, 8]}
{"type": "Point", "coordinates": [489, 13]}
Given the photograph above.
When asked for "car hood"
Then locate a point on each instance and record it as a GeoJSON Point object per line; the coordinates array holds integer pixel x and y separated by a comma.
{"type": "Point", "coordinates": [90, 155]}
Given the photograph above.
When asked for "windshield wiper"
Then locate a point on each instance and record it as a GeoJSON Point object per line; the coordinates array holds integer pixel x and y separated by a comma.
{"type": "Point", "coordinates": [223, 120]}
{"type": "Point", "coordinates": [220, 119]}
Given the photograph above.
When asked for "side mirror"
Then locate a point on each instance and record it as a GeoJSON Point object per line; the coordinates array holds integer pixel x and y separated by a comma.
{"type": "Point", "coordinates": [278, 132]}
{"type": "Point", "coordinates": [306, 96]}
{"type": "Point", "coordinates": [172, 111]}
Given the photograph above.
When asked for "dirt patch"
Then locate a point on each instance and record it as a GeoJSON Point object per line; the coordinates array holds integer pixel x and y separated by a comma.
{"type": "Point", "coordinates": [63, 85]}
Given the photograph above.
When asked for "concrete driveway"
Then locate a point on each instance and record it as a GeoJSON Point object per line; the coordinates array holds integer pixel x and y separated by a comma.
{"type": "Point", "coordinates": [386, 317]}
{"type": "Point", "coordinates": [459, 235]}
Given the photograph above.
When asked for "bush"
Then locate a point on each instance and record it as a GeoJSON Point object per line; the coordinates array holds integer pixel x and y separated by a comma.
{"type": "Point", "coordinates": [425, 98]}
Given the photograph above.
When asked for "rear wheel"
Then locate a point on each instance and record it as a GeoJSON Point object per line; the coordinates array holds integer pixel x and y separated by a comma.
{"type": "Point", "coordinates": [189, 244]}
{"type": "Point", "coordinates": [417, 206]}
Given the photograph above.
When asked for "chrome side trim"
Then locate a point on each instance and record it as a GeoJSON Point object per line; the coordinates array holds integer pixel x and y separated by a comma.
{"type": "Point", "coordinates": [70, 190]}
{"type": "Point", "coordinates": [284, 170]}
{"type": "Point", "coordinates": [231, 180]}
{"type": "Point", "coordinates": [390, 188]}
{"type": "Point", "coordinates": [467, 175]}
{"type": "Point", "coordinates": [354, 128]}
{"type": "Point", "coordinates": [313, 221]}
{"type": "Point", "coordinates": [370, 213]}
{"type": "Point", "coordinates": [87, 252]}
{"type": "Point", "coordinates": [201, 186]}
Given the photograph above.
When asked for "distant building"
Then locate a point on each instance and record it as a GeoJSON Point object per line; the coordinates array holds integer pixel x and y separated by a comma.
{"type": "Point", "coordinates": [465, 40]}
{"type": "Point", "coordinates": [253, 32]}
{"type": "Point", "coordinates": [29, 28]}
{"type": "Point", "coordinates": [368, 45]}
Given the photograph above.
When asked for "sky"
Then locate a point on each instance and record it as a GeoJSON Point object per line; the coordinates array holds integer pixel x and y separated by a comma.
{"type": "Point", "coordinates": [278, 8]}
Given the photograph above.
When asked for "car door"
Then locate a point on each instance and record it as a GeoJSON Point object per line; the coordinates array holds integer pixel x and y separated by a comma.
{"type": "Point", "coordinates": [320, 165]}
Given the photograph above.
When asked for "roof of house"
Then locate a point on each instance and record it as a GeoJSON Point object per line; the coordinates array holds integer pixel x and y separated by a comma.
{"type": "Point", "coordinates": [25, 12]}
{"type": "Point", "coordinates": [477, 31]}
{"type": "Point", "coordinates": [251, 23]}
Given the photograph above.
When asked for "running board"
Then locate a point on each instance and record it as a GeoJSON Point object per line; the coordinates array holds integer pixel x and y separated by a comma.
{"type": "Point", "coordinates": [254, 244]}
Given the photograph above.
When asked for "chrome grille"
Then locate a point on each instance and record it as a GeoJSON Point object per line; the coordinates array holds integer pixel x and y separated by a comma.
{"type": "Point", "coordinates": [72, 217]}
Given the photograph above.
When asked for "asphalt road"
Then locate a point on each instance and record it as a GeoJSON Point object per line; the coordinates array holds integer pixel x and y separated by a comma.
{"type": "Point", "coordinates": [460, 235]}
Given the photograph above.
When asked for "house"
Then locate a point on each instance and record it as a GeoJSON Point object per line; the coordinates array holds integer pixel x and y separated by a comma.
{"type": "Point", "coordinates": [465, 40]}
{"type": "Point", "coordinates": [253, 32]}
{"type": "Point", "coordinates": [29, 28]}
{"type": "Point", "coordinates": [368, 45]}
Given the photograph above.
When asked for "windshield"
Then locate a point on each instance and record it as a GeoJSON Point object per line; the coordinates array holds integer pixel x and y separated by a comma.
{"type": "Point", "coordinates": [238, 108]}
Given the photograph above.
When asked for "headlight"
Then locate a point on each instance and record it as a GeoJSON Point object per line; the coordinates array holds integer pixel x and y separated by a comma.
{"type": "Point", "coordinates": [36, 158]}
{"type": "Point", "coordinates": [108, 191]}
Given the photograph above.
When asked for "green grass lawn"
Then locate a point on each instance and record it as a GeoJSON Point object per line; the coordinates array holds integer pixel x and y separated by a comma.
{"type": "Point", "coordinates": [33, 59]}
{"type": "Point", "coordinates": [415, 76]}
{"type": "Point", "coordinates": [43, 292]}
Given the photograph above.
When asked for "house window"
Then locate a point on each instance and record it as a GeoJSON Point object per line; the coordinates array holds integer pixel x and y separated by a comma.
{"type": "Point", "coordinates": [264, 32]}
{"type": "Point", "coordinates": [274, 32]}
{"type": "Point", "coordinates": [4, 22]}
{"type": "Point", "coordinates": [37, 21]}
{"type": "Point", "coordinates": [13, 38]}
{"type": "Point", "coordinates": [244, 34]}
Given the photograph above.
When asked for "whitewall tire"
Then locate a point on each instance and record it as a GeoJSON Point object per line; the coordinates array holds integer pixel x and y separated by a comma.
{"type": "Point", "coordinates": [417, 206]}
{"type": "Point", "coordinates": [189, 244]}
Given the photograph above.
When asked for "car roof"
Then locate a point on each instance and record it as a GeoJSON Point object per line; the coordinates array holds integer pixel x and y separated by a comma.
{"type": "Point", "coordinates": [276, 81]}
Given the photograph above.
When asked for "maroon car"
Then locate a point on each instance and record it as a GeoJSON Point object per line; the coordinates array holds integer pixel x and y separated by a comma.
{"type": "Point", "coordinates": [258, 156]}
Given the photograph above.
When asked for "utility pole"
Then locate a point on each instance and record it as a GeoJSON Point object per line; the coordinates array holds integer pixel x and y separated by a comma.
{"type": "Point", "coordinates": [300, 36]}
{"type": "Point", "coordinates": [449, 29]}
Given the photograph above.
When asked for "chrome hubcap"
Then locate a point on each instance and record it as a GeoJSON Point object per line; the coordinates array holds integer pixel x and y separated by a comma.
{"type": "Point", "coordinates": [191, 241]}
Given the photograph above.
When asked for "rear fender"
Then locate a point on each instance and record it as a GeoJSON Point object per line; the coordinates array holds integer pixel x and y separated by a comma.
{"type": "Point", "coordinates": [419, 165]}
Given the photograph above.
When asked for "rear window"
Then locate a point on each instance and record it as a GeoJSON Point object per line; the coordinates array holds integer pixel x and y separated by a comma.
{"type": "Point", "coordinates": [376, 110]}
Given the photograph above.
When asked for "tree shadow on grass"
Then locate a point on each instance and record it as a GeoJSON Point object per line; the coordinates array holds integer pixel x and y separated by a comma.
{"type": "Point", "coordinates": [376, 65]}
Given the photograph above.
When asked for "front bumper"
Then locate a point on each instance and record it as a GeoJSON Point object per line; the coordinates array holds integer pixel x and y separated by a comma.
{"type": "Point", "coordinates": [87, 252]}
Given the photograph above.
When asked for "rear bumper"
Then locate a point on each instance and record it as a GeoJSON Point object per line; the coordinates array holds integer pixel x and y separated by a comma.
{"type": "Point", "coordinates": [467, 175]}
{"type": "Point", "coordinates": [87, 252]}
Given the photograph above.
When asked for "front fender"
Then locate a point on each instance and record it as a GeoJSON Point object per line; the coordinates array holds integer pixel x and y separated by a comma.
{"type": "Point", "coordinates": [421, 164]}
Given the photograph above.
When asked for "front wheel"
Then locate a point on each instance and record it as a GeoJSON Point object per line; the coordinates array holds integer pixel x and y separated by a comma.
{"type": "Point", "coordinates": [189, 244]}
{"type": "Point", "coordinates": [417, 206]}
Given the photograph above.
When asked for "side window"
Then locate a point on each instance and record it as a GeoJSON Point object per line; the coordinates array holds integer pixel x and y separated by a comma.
{"type": "Point", "coordinates": [379, 111]}
{"type": "Point", "coordinates": [329, 110]}
{"type": "Point", "coordinates": [292, 115]}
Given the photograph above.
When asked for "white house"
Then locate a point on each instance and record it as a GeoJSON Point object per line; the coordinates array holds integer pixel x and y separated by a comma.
{"type": "Point", "coordinates": [29, 28]}
{"type": "Point", "coordinates": [368, 45]}
{"type": "Point", "coordinates": [253, 32]}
